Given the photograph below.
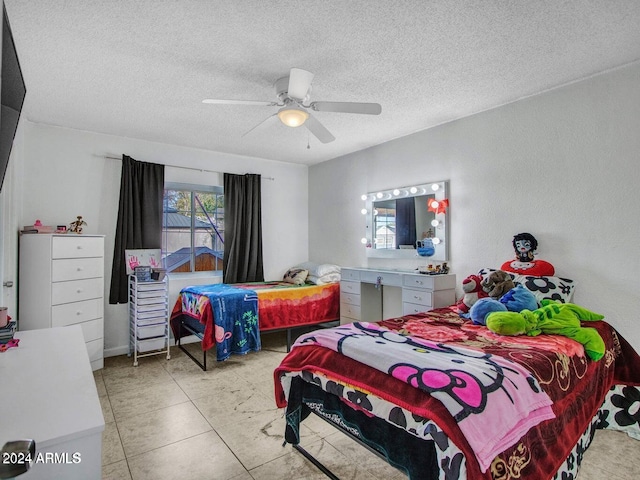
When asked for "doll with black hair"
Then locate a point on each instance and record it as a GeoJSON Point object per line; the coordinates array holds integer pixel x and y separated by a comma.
{"type": "Point", "coordinates": [525, 246]}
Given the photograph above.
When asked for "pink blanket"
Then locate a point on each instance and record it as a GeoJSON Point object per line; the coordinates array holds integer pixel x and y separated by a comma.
{"type": "Point", "coordinates": [494, 400]}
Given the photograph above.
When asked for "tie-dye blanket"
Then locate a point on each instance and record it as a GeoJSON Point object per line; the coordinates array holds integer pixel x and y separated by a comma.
{"type": "Point", "coordinates": [235, 313]}
{"type": "Point", "coordinates": [495, 401]}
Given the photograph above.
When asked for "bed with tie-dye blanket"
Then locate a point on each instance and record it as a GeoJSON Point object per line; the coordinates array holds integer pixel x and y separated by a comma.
{"type": "Point", "coordinates": [441, 398]}
{"type": "Point", "coordinates": [276, 306]}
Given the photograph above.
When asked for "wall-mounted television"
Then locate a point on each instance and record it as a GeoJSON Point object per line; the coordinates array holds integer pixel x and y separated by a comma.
{"type": "Point", "coordinates": [12, 93]}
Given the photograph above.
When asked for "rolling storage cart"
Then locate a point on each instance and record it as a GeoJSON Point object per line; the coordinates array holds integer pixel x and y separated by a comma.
{"type": "Point", "coordinates": [148, 318]}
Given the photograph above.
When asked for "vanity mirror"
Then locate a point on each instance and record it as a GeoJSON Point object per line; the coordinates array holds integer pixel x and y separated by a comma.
{"type": "Point", "coordinates": [406, 223]}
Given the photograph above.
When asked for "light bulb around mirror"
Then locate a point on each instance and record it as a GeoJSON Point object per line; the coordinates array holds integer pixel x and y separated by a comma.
{"type": "Point", "coordinates": [379, 194]}
{"type": "Point", "coordinates": [413, 190]}
{"type": "Point", "coordinates": [435, 187]}
{"type": "Point", "coordinates": [435, 240]}
{"type": "Point", "coordinates": [363, 240]}
{"type": "Point", "coordinates": [435, 223]}
{"type": "Point", "coordinates": [396, 192]}
{"type": "Point", "coordinates": [434, 204]}
{"type": "Point", "coordinates": [363, 211]}
{"type": "Point", "coordinates": [364, 197]}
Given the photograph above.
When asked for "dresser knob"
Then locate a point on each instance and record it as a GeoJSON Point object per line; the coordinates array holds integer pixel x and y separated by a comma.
{"type": "Point", "coordinates": [79, 269]}
{"type": "Point", "coordinates": [79, 290]}
{"type": "Point", "coordinates": [78, 313]}
{"type": "Point", "coordinates": [79, 247]}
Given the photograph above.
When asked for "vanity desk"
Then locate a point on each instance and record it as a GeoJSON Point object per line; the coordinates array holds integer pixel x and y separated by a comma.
{"type": "Point", "coordinates": [369, 294]}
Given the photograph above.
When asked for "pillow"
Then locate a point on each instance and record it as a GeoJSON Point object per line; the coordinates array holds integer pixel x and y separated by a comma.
{"type": "Point", "coordinates": [549, 288]}
{"type": "Point", "coordinates": [324, 279]}
{"type": "Point", "coordinates": [296, 275]}
{"type": "Point", "coordinates": [319, 269]}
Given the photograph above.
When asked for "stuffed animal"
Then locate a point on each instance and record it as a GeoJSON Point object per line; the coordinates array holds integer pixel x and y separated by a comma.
{"type": "Point", "coordinates": [525, 246]}
{"type": "Point", "coordinates": [483, 307]}
{"type": "Point", "coordinates": [472, 288]}
{"type": "Point", "coordinates": [497, 284]}
{"type": "Point", "coordinates": [518, 299]}
{"type": "Point", "coordinates": [552, 318]}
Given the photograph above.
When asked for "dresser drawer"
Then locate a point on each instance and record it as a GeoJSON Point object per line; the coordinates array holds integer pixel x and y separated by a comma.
{"type": "Point", "coordinates": [77, 246]}
{"type": "Point", "coordinates": [76, 312]}
{"type": "Point", "coordinates": [76, 269]}
{"type": "Point", "coordinates": [421, 297]}
{"type": "Point", "coordinates": [95, 349]}
{"type": "Point", "coordinates": [76, 290]}
{"type": "Point", "coordinates": [350, 287]}
{"type": "Point", "coordinates": [350, 298]}
{"type": "Point", "coordinates": [350, 311]}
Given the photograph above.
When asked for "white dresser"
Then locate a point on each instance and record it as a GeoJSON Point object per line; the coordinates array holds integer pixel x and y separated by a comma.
{"type": "Point", "coordinates": [61, 283]}
{"type": "Point", "coordinates": [370, 295]}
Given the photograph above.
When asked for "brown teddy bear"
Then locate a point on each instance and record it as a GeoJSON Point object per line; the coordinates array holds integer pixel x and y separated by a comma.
{"type": "Point", "coordinates": [497, 284]}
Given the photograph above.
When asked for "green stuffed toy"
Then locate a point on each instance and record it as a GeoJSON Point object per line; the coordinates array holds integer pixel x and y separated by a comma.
{"type": "Point", "coordinates": [554, 318]}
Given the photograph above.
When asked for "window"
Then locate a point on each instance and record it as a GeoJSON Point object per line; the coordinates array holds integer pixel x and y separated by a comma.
{"type": "Point", "coordinates": [193, 228]}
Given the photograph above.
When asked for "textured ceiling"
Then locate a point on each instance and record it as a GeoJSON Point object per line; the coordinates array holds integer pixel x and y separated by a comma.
{"type": "Point", "coordinates": [140, 68]}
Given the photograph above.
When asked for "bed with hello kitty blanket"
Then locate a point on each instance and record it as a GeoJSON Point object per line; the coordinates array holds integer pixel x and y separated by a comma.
{"type": "Point", "coordinates": [441, 398]}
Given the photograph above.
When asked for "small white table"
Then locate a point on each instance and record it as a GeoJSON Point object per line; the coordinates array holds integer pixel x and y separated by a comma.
{"type": "Point", "coordinates": [49, 394]}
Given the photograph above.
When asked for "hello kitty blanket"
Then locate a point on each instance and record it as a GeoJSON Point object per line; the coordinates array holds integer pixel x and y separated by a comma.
{"type": "Point", "coordinates": [483, 392]}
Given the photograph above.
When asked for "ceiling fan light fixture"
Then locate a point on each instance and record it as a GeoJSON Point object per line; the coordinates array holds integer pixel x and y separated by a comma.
{"type": "Point", "coordinates": [292, 116]}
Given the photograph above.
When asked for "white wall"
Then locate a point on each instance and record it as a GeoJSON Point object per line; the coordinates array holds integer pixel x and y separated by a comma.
{"type": "Point", "coordinates": [65, 174]}
{"type": "Point", "coordinates": [564, 166]}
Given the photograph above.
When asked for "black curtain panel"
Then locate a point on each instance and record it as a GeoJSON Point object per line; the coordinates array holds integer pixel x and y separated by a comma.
{"type": "Point", "coordinates": [139, 218]}
{"type": "Point", "coordinates": [405, 222]}
{"type": "Point", "coordinates": [242, 229]}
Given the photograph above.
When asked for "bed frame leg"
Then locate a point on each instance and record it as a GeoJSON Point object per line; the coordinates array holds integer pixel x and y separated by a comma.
{"type": "Point", "coordinates": [203, 364]}
{"type": "Point", "coordinates": [316, 462]}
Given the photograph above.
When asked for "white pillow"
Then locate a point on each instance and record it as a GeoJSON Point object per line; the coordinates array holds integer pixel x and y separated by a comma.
{"type": "Point", "coordinates": [324, 279]}
{"type": "Point", "coordinates": [319, 269]}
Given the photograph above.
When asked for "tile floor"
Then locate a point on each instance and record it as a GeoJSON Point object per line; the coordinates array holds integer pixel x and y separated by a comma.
{"type": "Point", "coordinates": [167, 419]}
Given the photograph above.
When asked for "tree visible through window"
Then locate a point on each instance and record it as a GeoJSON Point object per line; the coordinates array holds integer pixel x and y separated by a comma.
{"type": "Point", "coordinates": [193, 228]}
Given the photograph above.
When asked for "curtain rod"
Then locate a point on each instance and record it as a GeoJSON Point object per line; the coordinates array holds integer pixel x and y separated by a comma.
{"type": "Point", "coordinates": [111, 157]}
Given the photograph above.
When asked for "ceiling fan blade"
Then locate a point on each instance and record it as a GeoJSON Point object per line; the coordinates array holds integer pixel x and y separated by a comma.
{"type": "Point", "coordinates": [319, 130]}
{"type": "Point", "coordinates": [299, 83]}
{"type": "Point", "coordinates": [253, 128]}
{"type": "Point", "coordinates": [347, 107]}
{"type": "Point", "coordinates": [237, 102]}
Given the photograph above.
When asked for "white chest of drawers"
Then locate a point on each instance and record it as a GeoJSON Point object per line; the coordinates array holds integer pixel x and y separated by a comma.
{"type": "Point", "coordinates": [370, 294]}
{"type": "Point", "coordinates": [61, 283]}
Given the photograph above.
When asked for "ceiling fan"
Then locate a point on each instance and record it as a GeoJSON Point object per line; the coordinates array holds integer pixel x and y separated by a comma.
{"type": "Point", "coordinates": [293, 94]}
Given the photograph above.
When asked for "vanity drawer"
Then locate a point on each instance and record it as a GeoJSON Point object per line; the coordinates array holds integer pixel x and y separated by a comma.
{"type": "Point", "coordinates": [430, 282]}
{"type": "Point", "coordinates": [76, 290]}
{"type": "Point", "coordinates": [420, 297]}
{"type": "Point", "coordinates": [347, 274]}
{"type": "Point", "coordinates": [76, 269]}
{"type": "Point", "coordinates": [76, 312]}
{"type": "Point", "coordinates": [412, 308]}
{"type": "Point", "coordinates": [384, 278]}
{"type": "Point", "coordinates": [350, 311]}
{"type": "Point", "coordinates": [76, 246]}
{"type": "Point", "coordinates": [350, 298]}
{"type": "Point", "coordinates": [350, 287]}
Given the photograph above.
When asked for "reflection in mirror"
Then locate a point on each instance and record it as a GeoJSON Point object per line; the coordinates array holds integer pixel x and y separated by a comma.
{"type": "Point", "coordinates": [404, 222]}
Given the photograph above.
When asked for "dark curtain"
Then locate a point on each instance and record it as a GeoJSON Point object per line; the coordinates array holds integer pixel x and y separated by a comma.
{"type": "Point", "coordinates": [405, 222]}
{"type": "Point", "coordinates": [139, 218]}
{"type": "Point", "coordinates": [242, 229]}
